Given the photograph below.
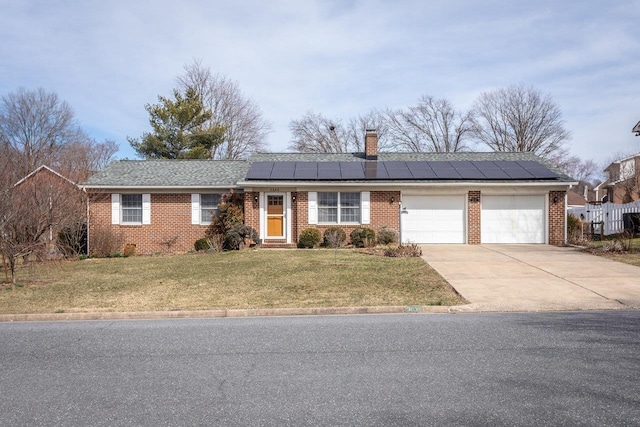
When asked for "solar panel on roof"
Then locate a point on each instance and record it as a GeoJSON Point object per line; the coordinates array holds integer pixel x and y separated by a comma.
{"type": "Point", "coordinates": [328, 166]}
{"type": "Point", "coordinates": [330, 174]}
{"type": "Point", "coordinates": [395, 165]}
{"type": "Point", "coordinates": [542, 172]}
{"type": "Point", "coordinates": [440, 165]}
{"type": "Point", "coordinates": [418, 166]}
{"type": "Point", "coordinates": [400, 170]}
{"type": "Point", "coordinates": [448, 173]}
{"type": "Point", "coordinates": [399, 173]}
{"type": "Point", "coordinates": [352, 170]}
{"type": "Point", "coordinates": [423, 173]}
{"type": "Point", "coordinates": [494, 173]}
{"type": "Point", "coordinates": [306, 171]}
{"type": "Point", "coordinates": [518, 173]}
{"type": "Point", "coordinates": [463, 164]}
{"type": "Point", "coordinates": [282, 173]}
{"type": "Point", "coordinates": [469, 173]}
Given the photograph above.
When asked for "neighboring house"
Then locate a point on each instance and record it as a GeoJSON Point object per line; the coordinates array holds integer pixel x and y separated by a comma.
{"type": "Point", "coordinates": [623, 182]}
{"type": "Point", "coordinates": [575, 199]}
{"type": "Point", "coordinates": [62, 200]}
{"type": "Point", "coordinates": [468, 198]}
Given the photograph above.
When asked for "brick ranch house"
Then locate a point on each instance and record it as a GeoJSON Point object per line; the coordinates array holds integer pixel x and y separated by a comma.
{"type": "Point", "coordinates": [466, 198]}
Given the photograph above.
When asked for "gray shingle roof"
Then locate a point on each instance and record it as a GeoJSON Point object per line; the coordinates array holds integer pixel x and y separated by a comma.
{"type": "Point", "coordinates": [170, 173]}
{"type": "Point", "coordinates": [228, 173]}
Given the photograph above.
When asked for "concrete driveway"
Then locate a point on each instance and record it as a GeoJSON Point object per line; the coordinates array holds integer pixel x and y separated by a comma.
{"type": "Point", "coordinates": [535, 277]}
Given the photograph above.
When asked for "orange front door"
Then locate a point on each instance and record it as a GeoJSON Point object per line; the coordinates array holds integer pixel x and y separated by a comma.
{"type": "Point", "coordinates": [275, 216]}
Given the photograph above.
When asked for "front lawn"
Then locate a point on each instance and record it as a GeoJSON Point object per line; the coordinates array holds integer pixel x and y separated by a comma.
{"type": "Point", "coordinates": [621, 249]}
{"type": "Point", "coordinates": [233, 280]}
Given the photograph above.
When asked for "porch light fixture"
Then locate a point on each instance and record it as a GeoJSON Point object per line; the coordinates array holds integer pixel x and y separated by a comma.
{"type": "Point", "coordinates": [555, 199]}
{"type": "Point", "coordinates": [293, 198]}
{"type": "Point", "coordinates": [255, 198]}
{"type": "Point", "coordinates": [393, 199]}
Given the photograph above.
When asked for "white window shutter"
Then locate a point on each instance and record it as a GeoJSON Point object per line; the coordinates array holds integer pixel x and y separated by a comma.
{"type": "Point", "coordinates": [195, 209]}
{"type": "Point", "coordinates": [146, 208]}
{"type": "Point", "coordinates": [313, 207]}
{"type": "Point", "coordinates": [365, 207]}
{"type": "Point", "coordinates": [115, 209]}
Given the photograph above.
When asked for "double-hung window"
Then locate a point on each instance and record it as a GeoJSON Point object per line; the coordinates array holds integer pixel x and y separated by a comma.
{"type": "Point", "coordinates": [131, 208]}
{"type": "Point", "coordinates": [208, 207]}
{"type": "Point", "coordinates": [338, 208]}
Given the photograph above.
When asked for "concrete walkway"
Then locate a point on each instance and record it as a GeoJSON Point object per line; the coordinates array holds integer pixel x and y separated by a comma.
{"type": "Point", "coordinates": [534, 278]}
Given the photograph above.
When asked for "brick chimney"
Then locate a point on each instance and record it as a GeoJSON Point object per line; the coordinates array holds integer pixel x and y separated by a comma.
{"type": "Point", "coordinates": [371, 144]}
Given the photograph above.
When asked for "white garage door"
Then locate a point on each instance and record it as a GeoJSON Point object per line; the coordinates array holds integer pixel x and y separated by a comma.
{"type": "Point", "coordinates": [512, 219]}
{"type": "Point", "coordinates": [433, 219]}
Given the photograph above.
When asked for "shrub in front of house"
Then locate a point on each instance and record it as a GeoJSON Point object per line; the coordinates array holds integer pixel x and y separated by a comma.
{"type": "Point", "coordinates": [363, 237]}
{"type": "Point", "coordinates": [129, 250]}
{"type": "Point", "coordinates": [235, 237]}
{"type": "Point", "coordinates": [309, 238]}
{"type": "Point", "coordinates": [387, 236]}
{"type": "Point", "coordinates": [201, 244]}
{"type": "Point", "coordinates": [404, 251]}
{"type": "Point", "coordinates": [227, 232]}
{"type": "Point", "coordinates": [334, 237]}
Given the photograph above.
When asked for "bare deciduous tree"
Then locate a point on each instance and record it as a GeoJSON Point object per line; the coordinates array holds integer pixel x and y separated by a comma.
{"type": "Point", "coordinates": [314, 133]}
{"type": "Point", "coordinates": [79, 160]}
{"type": "Point", "coordinates": [245, 129]}
{"type": "Point", "coordinates": [586, 171]}
{"type": "Point", "coordinates": [520, 118]}
{"type": "Point", "coordinates": [31, 214]}
{"type": "Point", "coordinates": [433, 125]}
{"type": "Point", "coordinates": [34, 126]}
{"type": "Point", "coordinates": [37, 128]}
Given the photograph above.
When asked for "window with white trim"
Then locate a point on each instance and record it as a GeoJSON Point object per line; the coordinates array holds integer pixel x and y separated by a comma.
{"type": "Point", "coordinates": [208, 207]}
{"type": "Point", "coordinates": [338, 208]}
{"type": "Point", "coordinates": [131, 205]}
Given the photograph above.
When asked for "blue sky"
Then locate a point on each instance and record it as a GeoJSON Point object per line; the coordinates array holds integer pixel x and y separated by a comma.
{"type": "Point", "coordinates": [339, 58]}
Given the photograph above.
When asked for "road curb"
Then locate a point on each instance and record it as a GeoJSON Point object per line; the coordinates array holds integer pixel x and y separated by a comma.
{"type": "Point", "coordinates": [199, 314]}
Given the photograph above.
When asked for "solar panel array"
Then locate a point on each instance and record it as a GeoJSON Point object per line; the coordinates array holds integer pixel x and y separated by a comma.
{"type": "Point", "coordinates": [399, 170]}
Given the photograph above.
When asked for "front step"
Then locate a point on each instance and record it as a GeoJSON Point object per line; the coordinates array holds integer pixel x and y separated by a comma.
{"type": "Point", "coordinates": [278, 245]}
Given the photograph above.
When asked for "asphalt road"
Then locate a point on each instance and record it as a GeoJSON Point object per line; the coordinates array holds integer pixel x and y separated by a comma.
{"type": "Point", "coordinates": [436, 369]}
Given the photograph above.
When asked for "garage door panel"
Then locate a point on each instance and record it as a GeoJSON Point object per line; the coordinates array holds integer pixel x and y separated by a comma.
{"type": "Point", "coordinates": [513, 219]}
{"type": "Point", "coordinates": [433, 219]}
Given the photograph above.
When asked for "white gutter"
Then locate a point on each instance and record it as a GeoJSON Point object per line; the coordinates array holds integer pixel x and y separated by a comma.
{"type": "Point", "coordinates": [156, 187]}
{"type": "Point", "coordinates": [298, 184]}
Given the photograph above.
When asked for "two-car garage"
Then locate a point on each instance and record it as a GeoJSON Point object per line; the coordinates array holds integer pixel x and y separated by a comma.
{"type": "Point", "coordinates": [503, 218]}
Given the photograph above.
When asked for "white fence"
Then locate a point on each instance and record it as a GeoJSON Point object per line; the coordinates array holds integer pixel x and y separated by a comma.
{"type": "Point", "coordinates": [609, 214]}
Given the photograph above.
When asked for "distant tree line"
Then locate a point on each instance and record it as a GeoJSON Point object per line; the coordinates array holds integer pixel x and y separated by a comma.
{"type": "Point", "coordinates": [516, 118]}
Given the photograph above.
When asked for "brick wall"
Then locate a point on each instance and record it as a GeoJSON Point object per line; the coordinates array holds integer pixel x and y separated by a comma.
{"type": "Point", "coordinates": [170, 230]}
{"type": "Point", "coordinates": [473, 218]}
{"type": "Point", "coordinates": [384, 213]}
{"type": "Point", "coordinates": [557, 217]}
{"type": "Point", "coordinates": [252, 210]}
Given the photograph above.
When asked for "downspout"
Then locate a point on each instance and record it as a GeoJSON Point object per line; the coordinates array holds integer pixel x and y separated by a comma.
{"type": "Point", "coordinates": [85, 191]}
{"type": "Point", "coordinates": [566, 216]}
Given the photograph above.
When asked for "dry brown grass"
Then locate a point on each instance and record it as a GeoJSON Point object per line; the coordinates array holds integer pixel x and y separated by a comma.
{"type": "Point", "coordinates": [245, 279]}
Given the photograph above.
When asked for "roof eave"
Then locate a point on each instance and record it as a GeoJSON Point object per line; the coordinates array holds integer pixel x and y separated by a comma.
{"type": "Point", "coordinates": [161, 187]}
{"type": "Point", "coordinates": [245, 184]}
